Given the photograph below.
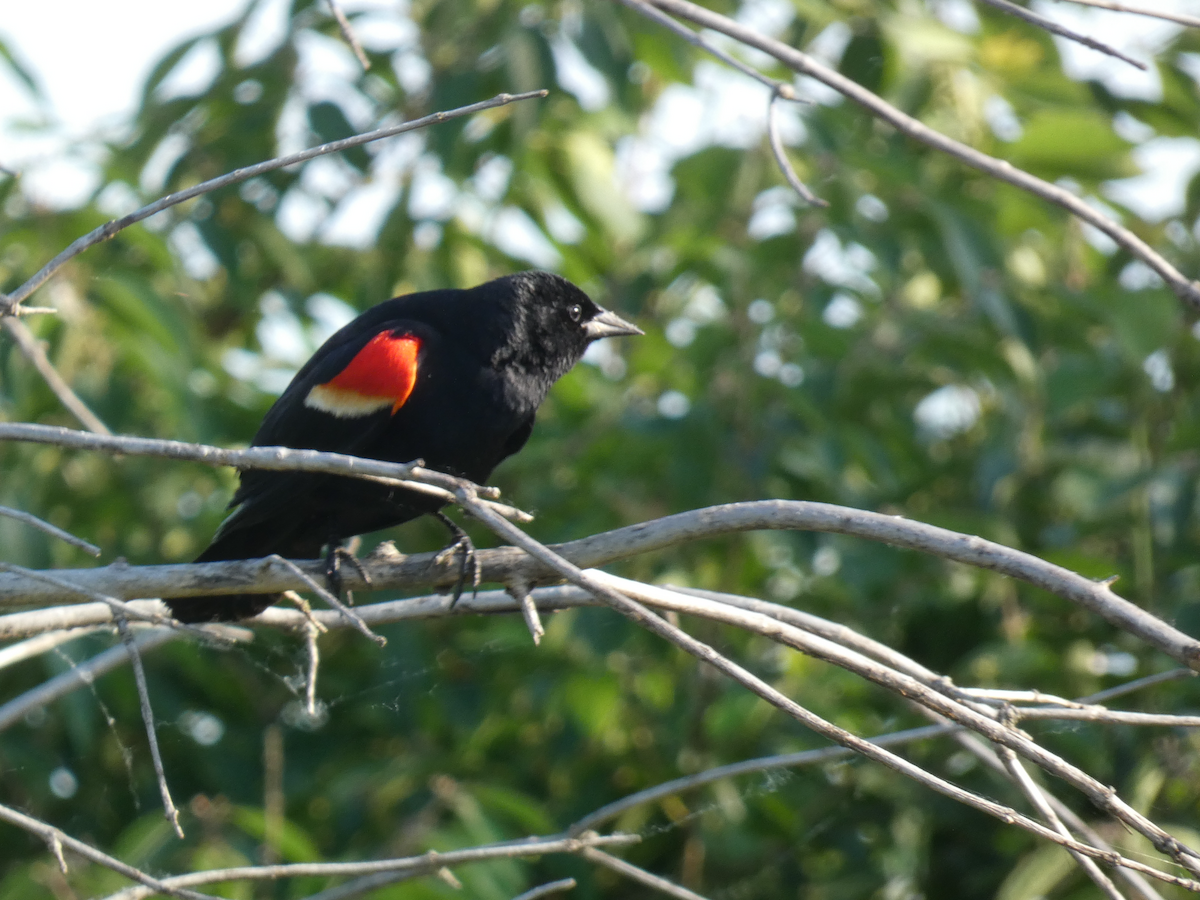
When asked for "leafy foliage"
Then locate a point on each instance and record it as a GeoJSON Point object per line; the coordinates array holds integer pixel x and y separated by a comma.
{"type": "Point", "coordinates": [933, 344]}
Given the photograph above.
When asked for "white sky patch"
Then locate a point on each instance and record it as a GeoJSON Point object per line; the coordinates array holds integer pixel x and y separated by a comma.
{"type": "Point", "coordinates": [193, 74]}
{"type": "Point", "coordinates": [329, 313]}
{"type": "Point", "coordinates": [358, 217]}
{"type": "Point", "coordinates": [198, 261]}
{"type": "Point", "coordinates": [773, 214]}
{"type": "Point", "coordinates": [1158, 366]}
{"type": "Point", "coordinates": [300, 214]}
{"type": "Point", "coordinates": [432, 194]}
{"type": "Point", "coordinates": [562, 224]}
{"type": "Point", "coordinates": [577, 75]}
{"type": "Point", "coordinates": [1137, 36]}
{"type": "Point", "coordinates": [959, 15]}
{"type": "Point", "coordinates": [514, 233]}
{"type": "Point", "coordinates": [673, 405]}
{"type": "Point", "coordinates": [266, 29]}
{"type": "Point", "coordinates": [845, 266]}
{"type": "Point", "coordinates": [60, 182]}
{"type": "Point", "coordinates": [948, 411]}
{"type": "Point", "coordinates": [1167, 164]}
{"type": "Point", "coordinates": [843, 311]}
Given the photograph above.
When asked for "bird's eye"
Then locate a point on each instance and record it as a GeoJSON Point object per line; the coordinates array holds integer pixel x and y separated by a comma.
{"type": "Point", "coordinates": [575, 312]}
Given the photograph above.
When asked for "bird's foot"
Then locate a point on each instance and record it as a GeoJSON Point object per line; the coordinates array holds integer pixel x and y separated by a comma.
{"type": "Point", "coordinates": [334, 558]}
{"type": "Point", "coordinates": [462, 543]}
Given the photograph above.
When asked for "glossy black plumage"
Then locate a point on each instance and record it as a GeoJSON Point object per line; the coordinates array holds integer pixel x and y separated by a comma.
{"type": "Point", "coordinates": [487, 358]}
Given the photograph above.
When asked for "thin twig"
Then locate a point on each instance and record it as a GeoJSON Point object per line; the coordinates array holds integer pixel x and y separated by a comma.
{"type": "Point", "coordinates": [1037, 798]}
{"type": "Point", "coordinates": [1185, 289]}
{"type": "Point", "coordinates": [1062, 31]}
{"type": "Point", "coordinates": [50, 834]}
{"type": "Point", "coordinates": [763, 764]}
{"type": "Point", "coordinates": [32, 348]}
{"type": "Point", "coordinates": [277, 459]}
{"type": "Point", "coordinates": [1100, 714]}
{"type": "Point", "coordinates": [314, 661]}
{"type": "Point", "coordinates": [139, 677]}
{"type": "Point", "coordinates": [990, 758]}
{"type": "Point", "coordinates": [1137, 684]}
{"type": "Point", "coordinates": [43, 643]}
{"type": "Point", "coordinates": [781, 87]}
{"type": "Point", "coordinates": [312, 584]}
{"type": "Point", "coordinates": [545, 890]}
{"type": "Point", "coordinates": [640, 875]}
{"type": "Point", "coordinates": [519, 591]}
{"type": "Point", "coordinates": [107, 230]}
{"type": "Point", "coordinates": [348, 34]}
{"type": "Point", "coordinates": [1190, 21]}
{"type": "Point", "coordinates": [82, 674]}
{"type": "Point", "coordinates": [52, 530]}
{"type": "Point", "coordinates": [401, 868]}
{"type": "Point", "coordinates": [781, 158]}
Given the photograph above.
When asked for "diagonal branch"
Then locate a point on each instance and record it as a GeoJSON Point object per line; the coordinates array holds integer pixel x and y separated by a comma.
{"type": "Point", "coordinates": [33, 351]}
{"type": "Point", "coordinates": [1061, 30]}
{"type": "Point", "coordinates": [52, 530]}
{"type": "Point", "coordinates": [108, 229]}
{"type": "Point", "coordinates": [1180, 18]}
{"type": "Point", "coordinates": [1184, 288]}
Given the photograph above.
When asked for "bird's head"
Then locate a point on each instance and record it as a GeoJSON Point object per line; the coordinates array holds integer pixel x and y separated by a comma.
{"type": "Point", "coordinates": [552, 322]}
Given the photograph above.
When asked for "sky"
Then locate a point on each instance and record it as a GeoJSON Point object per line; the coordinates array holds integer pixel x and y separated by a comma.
{"type": "Point", "coordinates": [113, 45]}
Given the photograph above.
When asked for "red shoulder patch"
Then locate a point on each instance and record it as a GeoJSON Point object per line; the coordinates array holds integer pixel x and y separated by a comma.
{"type": "Point", "coordinates": [382, 374]}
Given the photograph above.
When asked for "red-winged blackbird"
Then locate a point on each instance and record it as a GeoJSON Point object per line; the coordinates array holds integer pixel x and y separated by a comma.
{"type": "Point", "coordinates": [452, 377]}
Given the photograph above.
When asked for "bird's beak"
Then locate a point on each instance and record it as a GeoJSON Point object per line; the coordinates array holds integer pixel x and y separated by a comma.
{"type": "Point", "coordinates": [609, 324]}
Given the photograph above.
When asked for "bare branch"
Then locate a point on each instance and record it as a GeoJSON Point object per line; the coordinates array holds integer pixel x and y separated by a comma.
{"type": "Point", "coordinates": [781, 159]}
{"type": "Point", "coordinates": [49, 529]}
{"type": "Point", "coordinates": [348, 34]}
{"type": "Point", "coordinates": [682, 31]}
{"type": "Point", "coordinates": [763, 764]}
{"type": "Point", "coordinates": [52, 836]}
{"type": "Point", "coordinates": [640, 875]}
{"type": "Point", "coordinates": [43, 643]}
{"type": "Point", "coordinates": [311, 584]}
{"type": "Point", "coordinates": [255, 575]}
{"type": "Point", "coordinates": [1190, 21]}
{"type": "Point", "coordinates": [400, 869]}
{"type": "Point", "coordinates": [107, 230]}
{"type": "Point", "coordinates": [1185, 289]}
{"type": "Point", "coordinates": [598, 584]}
{"type": "Point", "coordinates": [139, 677]}
{"type": "Point", "coordinates": [1036, 797]}
{"type": "Point", "coordinates": [33, 351]}
{"type": "Point", "coordinates": [545, 890]}
{"type": "Point", "coordinates": [1062, 31]}
{"type": "Point", "coordinates": [83, 674]}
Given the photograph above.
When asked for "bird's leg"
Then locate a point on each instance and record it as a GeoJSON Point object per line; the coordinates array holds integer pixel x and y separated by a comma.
{"type": "Point", "coordinates": [462, 542]}
{"type": "Point", "coordinates": [334, 557]}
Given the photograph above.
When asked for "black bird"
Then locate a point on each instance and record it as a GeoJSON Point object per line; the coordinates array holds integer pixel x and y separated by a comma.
{"type": "Point", "coordinates": [452, 377]}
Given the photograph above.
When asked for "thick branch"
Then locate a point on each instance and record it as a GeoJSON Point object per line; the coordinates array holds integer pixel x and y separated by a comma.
{"type": "Point", "coordinates": [509, 564]}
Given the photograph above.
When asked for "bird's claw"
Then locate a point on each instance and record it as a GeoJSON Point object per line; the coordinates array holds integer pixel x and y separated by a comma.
{"type": "Point", "coordinates": [462, 543]}
{"type": "Point", "coordinates": [334, 558]}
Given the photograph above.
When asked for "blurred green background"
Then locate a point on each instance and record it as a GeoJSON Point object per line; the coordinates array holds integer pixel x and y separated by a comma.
{"type": "Point", "coordinates": [933, 344]}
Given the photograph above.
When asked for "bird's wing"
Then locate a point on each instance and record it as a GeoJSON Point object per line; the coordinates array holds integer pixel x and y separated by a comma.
{"type": "Point", "coordinates": [340, 401]}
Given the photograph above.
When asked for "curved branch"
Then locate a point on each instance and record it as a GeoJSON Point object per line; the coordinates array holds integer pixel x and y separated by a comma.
{"type": "Point", "coordinates": [1184, 288]}
{"type": "Point", "coordinates": [507, 565]}
{"type": "Point", "coordinates": [108, 229]}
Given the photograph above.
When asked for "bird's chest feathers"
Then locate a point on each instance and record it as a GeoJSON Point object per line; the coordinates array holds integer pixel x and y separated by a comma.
{"type": "Point", "coordinates": [381, 375]}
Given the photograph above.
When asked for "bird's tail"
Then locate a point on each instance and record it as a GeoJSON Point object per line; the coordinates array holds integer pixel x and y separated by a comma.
{"type": "Point", "coordinates": [239, 543]}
